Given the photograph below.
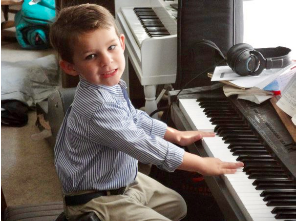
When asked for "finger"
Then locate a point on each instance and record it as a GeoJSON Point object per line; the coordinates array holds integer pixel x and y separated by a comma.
{"type": "Point", "coordinates": [229, 165]}
{"type": "Point", "coordinates": [207, 134]}
{"type": "Point", "coordinates": [229, 171]}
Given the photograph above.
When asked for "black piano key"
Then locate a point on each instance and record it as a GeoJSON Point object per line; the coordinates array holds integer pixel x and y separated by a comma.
{"type": "Point", "coordinates": [136, 9]}
{"type": "Point", "coordinates": [233, 121]}
{"type": "Point", "coordinates": [158, 34]}
{"type": "Point", "coordinates": [243, 152]}
{"type": "Point", "coordinates": [251, 170]}
{"type": "Point", "coordinates": [282, 202]}
{"type": "Point", "coordinates": [227, 114]}
{"type": "Point", "coordinates": [150, 20]}
{"type": "Point", "coordinates": [286, 215]}
{"type": "Point", "coordinates": [218, 129]}
{"type": "Point", "coordinates": [279, 196]}
{"type": "Point", "coordinates": [223, 133]}
{"type": "Point", "coordinates": [265, 167]}
{"type": "Point", "coordinates": [259, 161]}
{"type": "Point", "coordinates": [243, 141]}
{"type": "Point", "coordinates": [215, 106]}
{"type": "Point", "coordinates": [283, 209]}
{"type": "Point", "coordinates": [278, 192]}
{"type": "Point", "coordinates": [155, 29]}
{"type": "Point", "coordinates": [274, 183]}
{"type": "Point", "coordinates": [225, 117]}
{"type": "Point", "coordinates": [243, 157]}
{"type": "Point", "coordinates": [147, 17]}
{"type": "Point", "coordinates": [145, 13]}
{"type": "Point", "coordinates": [247, 147]}
{"type": "Point", "coordinates": [152, 24]}
{"type": "Point", "coordinates": [267, 175]}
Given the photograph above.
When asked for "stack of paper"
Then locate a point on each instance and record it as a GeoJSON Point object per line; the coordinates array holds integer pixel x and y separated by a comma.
{"type": "Point", "coordinates": [254, 88]}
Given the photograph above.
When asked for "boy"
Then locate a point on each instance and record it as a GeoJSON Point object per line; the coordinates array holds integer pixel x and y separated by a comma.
{"type": "Point", "coordinates": [103, 136]}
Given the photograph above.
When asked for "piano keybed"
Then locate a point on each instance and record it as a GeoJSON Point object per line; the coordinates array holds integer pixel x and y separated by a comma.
{"type": "Point", "coordinates": [263, 189]}
{"type": "Point", "coordinates": [148, 22]}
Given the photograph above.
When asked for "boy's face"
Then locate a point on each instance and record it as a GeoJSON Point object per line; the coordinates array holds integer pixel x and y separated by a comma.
{"type": "Point", "coordinates": [98, 57]}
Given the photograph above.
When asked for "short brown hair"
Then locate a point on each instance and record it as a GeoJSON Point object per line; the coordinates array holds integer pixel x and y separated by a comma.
{"type": "Point", "coordinates": [73, 21]}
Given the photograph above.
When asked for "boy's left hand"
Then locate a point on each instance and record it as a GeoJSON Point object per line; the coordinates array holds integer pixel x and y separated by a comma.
{"type": "Point", "coordinates": [185, 138]}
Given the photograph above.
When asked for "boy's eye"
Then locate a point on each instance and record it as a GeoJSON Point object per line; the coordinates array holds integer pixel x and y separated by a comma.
{"type": "Point", "coordinates": [112, 47]}
{"type": "Point", "coordinates": [91, 56]}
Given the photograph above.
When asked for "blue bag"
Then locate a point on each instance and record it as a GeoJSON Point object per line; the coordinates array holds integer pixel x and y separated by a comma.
{"type": "Point", "coordinates": [32, 23]}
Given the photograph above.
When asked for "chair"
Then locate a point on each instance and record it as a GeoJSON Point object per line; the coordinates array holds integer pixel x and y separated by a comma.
{"type": "Point", "coordinates": [41, 212]}
{"type": "Point", "coordinates": [5, 9]}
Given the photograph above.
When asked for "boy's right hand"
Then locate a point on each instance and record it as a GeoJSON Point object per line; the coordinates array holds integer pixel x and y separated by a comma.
{"type": "Point", "coordinates": [208, 166]}
{"type": "Point", "coordinates": [213, 166]}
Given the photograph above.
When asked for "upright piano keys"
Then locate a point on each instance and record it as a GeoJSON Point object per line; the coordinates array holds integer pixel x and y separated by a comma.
{"type": "Point", "coordinates": [265, 189]}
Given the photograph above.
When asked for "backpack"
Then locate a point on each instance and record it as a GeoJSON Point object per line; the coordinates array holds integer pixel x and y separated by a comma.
{"type": "Point", "coordinates": [32, 23]}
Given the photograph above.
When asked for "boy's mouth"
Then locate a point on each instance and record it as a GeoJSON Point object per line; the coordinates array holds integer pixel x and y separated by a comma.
{"type": "Point", "coordinates": [109, 73]}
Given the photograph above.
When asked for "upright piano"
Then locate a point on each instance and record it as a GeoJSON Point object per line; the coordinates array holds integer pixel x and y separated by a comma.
{"type": "Point", "coordinates": [150, 28]}
{"type": "Point", "coordinates": [265, 189]}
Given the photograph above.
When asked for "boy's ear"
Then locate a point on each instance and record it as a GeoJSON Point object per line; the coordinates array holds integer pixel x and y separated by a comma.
{"type": "Point", "coordinates": [122, 41]}
{"type": "Point", "coordinates": [68, 68]}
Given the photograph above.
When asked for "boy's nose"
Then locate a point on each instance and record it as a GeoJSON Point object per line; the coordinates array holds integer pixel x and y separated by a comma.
{"type": "Point", "coordinates": [106, 59]}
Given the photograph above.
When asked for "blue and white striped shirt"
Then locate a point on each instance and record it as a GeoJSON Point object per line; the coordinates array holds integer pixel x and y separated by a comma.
{"type": "Point", "coordinates": [101, 140]}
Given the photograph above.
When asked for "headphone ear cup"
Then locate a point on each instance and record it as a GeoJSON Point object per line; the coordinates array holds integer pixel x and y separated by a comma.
{"type": "Point", "coordinates": [234, 52]}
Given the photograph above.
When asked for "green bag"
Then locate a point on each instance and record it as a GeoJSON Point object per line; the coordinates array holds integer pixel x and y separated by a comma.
{"type": "Point", "coordinates": [32, 23]}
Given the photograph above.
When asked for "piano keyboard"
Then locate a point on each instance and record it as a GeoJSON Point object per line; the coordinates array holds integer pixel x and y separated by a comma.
{"type": "Point", "coordinates": [262, 189]}
{"type": "Point", "coordinates": [146, 22]}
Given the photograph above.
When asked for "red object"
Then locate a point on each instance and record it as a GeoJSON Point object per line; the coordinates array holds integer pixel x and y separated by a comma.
{"type": "Point", "coordinates": [276, 92]}
{"type": "Point", "coordinates": [197, 179]}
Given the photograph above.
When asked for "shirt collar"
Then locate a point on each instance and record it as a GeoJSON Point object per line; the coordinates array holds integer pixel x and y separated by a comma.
{"type": "Point", "coordinates": [112, 89]}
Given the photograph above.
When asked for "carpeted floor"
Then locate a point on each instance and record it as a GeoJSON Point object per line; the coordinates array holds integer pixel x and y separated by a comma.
{"type": "Point", "coordinates": [27, 170]}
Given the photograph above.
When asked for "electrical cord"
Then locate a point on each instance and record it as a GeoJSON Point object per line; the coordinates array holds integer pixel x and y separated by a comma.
{"type": "Point", "coordinates": [169, 106]}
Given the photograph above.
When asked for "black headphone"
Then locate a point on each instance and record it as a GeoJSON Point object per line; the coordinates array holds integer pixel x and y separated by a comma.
{"type": "Point", "coordinates": [244, 60]}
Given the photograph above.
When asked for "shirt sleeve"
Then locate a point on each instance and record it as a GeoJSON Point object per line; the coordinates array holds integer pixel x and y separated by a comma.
{"type": "Point", "coordinates": [150, 125]}
{"type": "Point", "coordinates": [114, 127]}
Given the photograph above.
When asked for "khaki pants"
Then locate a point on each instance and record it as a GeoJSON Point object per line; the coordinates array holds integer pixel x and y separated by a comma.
{"type": "Point", "coordinates": [145, 199]}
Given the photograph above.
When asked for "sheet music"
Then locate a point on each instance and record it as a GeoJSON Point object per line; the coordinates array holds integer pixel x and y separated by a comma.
{"type": "Point", "coordinates": [288, 100]}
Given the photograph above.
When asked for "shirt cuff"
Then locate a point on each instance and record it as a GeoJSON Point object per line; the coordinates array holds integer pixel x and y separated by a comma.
{"type": "Point", "coordinates": [174, 157]}
{"type": "Point", "coordinates": [159, 128]}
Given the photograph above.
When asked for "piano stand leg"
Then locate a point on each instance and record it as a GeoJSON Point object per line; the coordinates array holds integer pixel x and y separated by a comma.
{"type": "Point", "coordinates": [150, 104]}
